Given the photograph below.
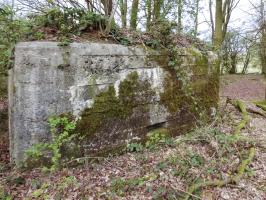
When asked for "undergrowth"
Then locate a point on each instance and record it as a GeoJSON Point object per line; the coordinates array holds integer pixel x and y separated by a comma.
{"type": "Point", "coordinates": [50, 154]}
{"type": "Point", "coordinates": [65, 23]}
{"type": "Point", "coordinates": [202, 158]}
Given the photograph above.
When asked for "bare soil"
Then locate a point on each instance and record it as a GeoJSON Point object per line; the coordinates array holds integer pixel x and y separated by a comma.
{"type": "Point", "coordinates": [244, 87]}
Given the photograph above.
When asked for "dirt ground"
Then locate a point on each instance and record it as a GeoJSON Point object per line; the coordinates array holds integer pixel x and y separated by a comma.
{"type": "Point", "coordinates": [244, 87]}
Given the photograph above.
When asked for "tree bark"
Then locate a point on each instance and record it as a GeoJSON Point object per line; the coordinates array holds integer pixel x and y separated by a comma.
{"type": "Point", "coordinates": [148, 5]}
{"type": "Point", "coordinates": [157, 9]}
{"type": "Point", "coordinates": [218, 32]}
{"type": "Point", "coordinates": [179, 15]}
{"type": "Point", "coordinates": [246, 62]}
{"type": "Point", "coordinates": [263, 53]}
{"type": "Point", "coordinates": [233, 69]}
{"type": "Point", "coordinates": [196, 19]}
{"type": "Point", "coordinates": [211, 18]}
{"type": "Point", "coordinates": [134, 14]}
{"type": "Point", "coordinates": [123, 9]}
{"type": "Point", "coordinates": [108, 6]}
{"type": "Point", "coordinates": [111, 17]}
{"type": "Point", "coordinates": [263, 39]}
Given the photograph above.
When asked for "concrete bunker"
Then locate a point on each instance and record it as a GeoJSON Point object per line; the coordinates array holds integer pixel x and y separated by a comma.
{"type": "Point", "coordinates": [117, 93]}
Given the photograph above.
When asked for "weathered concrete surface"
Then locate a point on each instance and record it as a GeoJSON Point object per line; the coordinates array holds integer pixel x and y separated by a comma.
{"type": "Point", "coordinates": [49, 80]}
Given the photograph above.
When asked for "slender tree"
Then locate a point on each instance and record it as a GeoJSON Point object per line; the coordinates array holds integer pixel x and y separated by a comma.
{"type": "Point", "coordinates": [148, 13]}
{"type": "Point", "coordinates": [263, 37]}
{"type": "Point", "coordinates": [218, 30]}
{"type": "Point", "coordinates": [123, 10]}
{"type": "Point", "coordinates": [134, 14]}
{"type": "Point", "coordinates": [179, 15]}
{"type": "Point", "coordinates": [108, 6]}
{"type": "Point", "coordinates": [196, 19]}
{"type": "Point", "coordinates": [157, 9]}
{"type": "Point", "coordinates": [223, 12]}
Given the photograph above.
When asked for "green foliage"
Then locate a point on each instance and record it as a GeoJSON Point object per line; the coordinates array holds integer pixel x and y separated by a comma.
{"type": "Point", "coordinates": [40, 193]}
{"type": "Point", "coordinates": [135, 147]}
{"type": "Point", "coordinates": [158, 136]}
{"type": "Point", "coordinates": [62, 133]}
{"type": "Point", "coordinates": [161, 31]}
{"type": "Point", "coordinates": [67, 182]}
{"type": "Point", "coordinates": [223, 143]}
{"type": "Point", "coordinates": [62, 23]}
{"type": "Point", "coordinates": [154, 138]}
{"type": "Point", "coordinates": [68, 22]}
{"type": "Point", "coordinates": [12, 30]}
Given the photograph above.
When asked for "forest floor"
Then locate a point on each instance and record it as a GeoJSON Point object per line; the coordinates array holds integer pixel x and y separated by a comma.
{"type": "Point", "coordinates": [168, 169]}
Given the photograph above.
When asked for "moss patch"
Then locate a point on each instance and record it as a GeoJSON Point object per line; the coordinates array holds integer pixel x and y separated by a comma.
{"type": "Point", "coordinates": [207, 94]}
{"type": "Point", "coordinates": [133, 93]}
{"type": "Point", "coordinates": [261, 104]}
{"type": "Point", "coordinates": [173, 96]}
{"type": "Point", "coordinates": [195, 93]}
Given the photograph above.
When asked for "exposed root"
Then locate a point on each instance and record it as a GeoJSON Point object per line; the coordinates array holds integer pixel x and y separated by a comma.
{"type": "Point", "coordinates": [256, 107]}
{"type": "Point", "coordinates": [220, 183]}
{"type": "Point", "coordinates": [243, 165]}
{"type": "Point", "coordinates": [261, 104]}
{"type": "Point", "coordinates": [258, 112]}
{"type": "Point", "coordinates": [245, 118]}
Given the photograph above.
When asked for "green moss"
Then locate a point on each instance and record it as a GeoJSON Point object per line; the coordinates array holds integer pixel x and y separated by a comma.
{"type": "Point", "coordinates": [186, 99]}
{"type": "Point", "coordinates": [173, 95]}
{"type": "Point", "coordinates": [193, 94]}
{"type": "Point", "coordinates": [261, 104]}
{"type": "Point", "coordinates": [106, 106]}
{"type": "Point", "coordinates": [200, 61]}
{"type": "Point", "coordinates": [133, 93]}
{"type": "Point", "coordinates": [207, 92]}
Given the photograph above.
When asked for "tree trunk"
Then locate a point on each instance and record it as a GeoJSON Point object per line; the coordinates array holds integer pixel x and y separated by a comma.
{"type": "Point", "coordinates": [123, 9]}
{"type": "Point", "coordinates": [212, 22]}
{"type": "Point", "coordinates": [108, 6]}
{"type": "Point", "coordinates": [246, 62]}
{"type": "Point", "coordinates": [263, 53]}
{"type": "Point", "coordinates": [148, 5]}
{"type": "Point", "coordinates": [111, 18]}
{"type": "Point", "coordinates": [157, 9]}
{"type": "Point", "coordinates": [196, 18]}
{"type": "Point", "coordinates": [134, 14]}
{"type": "Point", "coordinates": [233, 69]}
{"type": "Point", "coordinates": [218, 32]}
{"type": "Point", "coordinates": [263, 39]}
{"type": "Point", "coordinates": [179, 15]}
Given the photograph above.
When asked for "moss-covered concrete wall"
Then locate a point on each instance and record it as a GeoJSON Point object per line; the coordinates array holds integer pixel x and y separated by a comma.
{"type": "Point", "coordinates": [116, 93]}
